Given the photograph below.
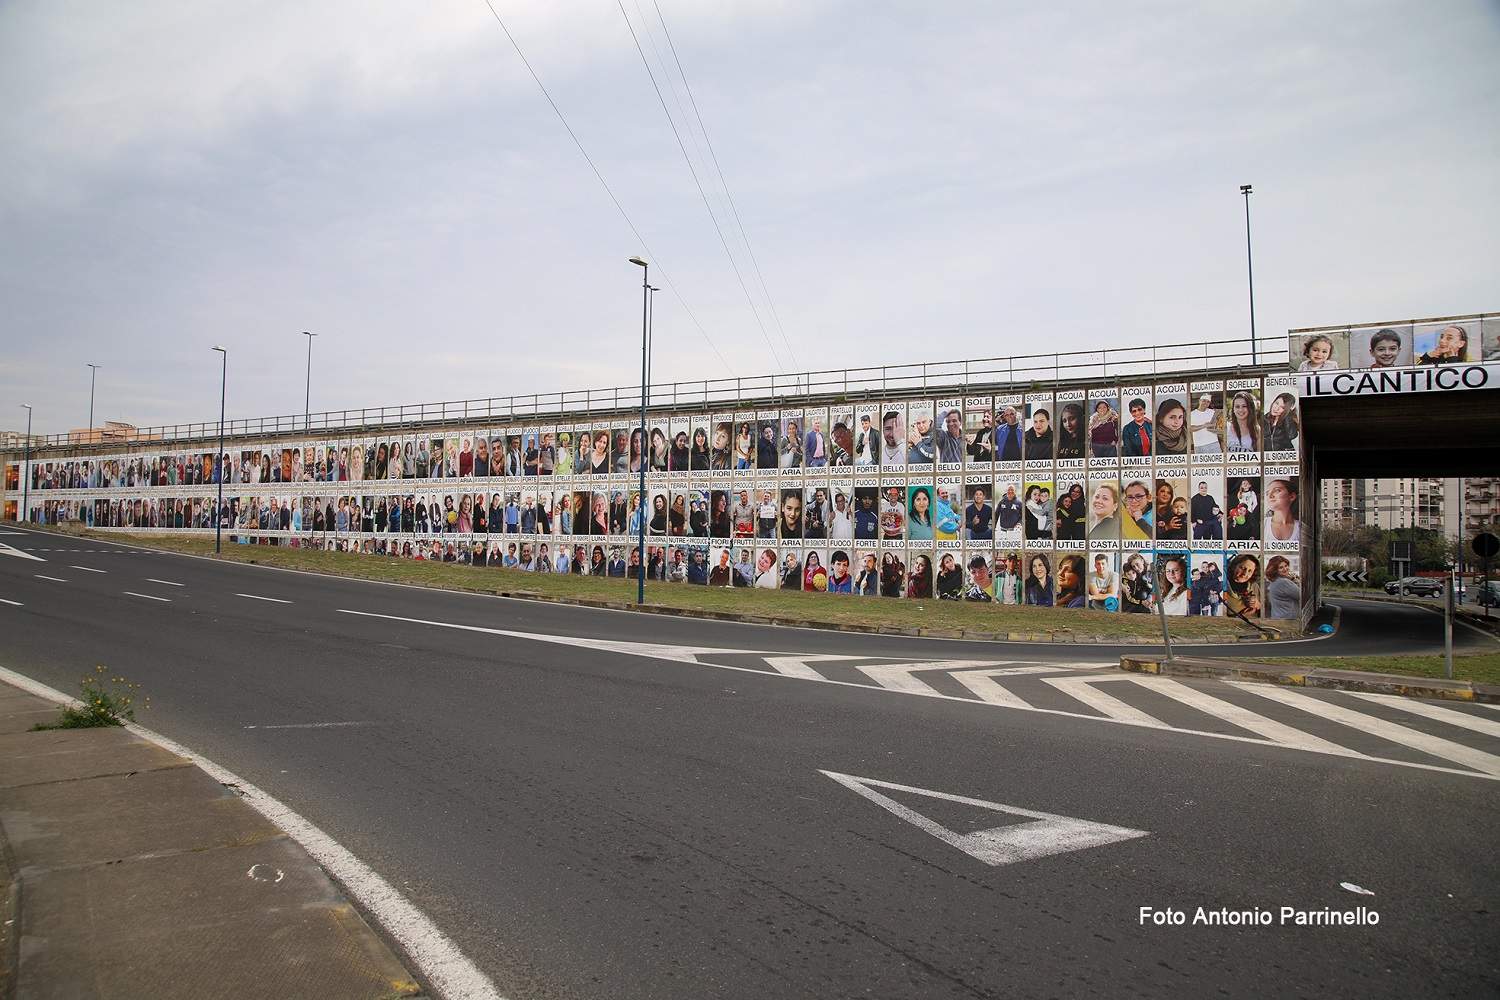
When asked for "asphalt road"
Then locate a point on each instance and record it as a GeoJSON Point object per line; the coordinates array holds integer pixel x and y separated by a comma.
{"type": "Point", "coordinates": [590, 819]}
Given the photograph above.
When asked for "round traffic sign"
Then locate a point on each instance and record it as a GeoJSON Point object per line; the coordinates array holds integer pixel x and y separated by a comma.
{"type": "Point", "coordinates": [1486, 545]}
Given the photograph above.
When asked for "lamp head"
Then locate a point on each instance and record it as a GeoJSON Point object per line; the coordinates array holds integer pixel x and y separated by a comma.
{"type": "Point", "coordinates": [1244, 189]}
{"type": "Point", "coordinates": [221, 350]}
{"type": "Point", "coordinates": [307, 333]}
{"type": "Point", "coordinates": [638, 261]}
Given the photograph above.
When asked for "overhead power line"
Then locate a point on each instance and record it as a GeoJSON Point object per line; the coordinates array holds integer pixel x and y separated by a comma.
{"type": "Point", "coordinates": [693, 102]}
{"type": "Point", "coordinates": [699, 184]}
{"type": "Point", "coordinates": [655, 261]}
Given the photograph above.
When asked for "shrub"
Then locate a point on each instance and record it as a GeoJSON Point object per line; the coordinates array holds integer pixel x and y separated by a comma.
{"type": "Point", "coordinates": [106, 701]}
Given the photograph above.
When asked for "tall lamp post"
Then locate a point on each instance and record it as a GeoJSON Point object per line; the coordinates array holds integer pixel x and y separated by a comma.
{"type": "Point", "coordinates": [307, 399]}
{"type": "Point", "coordinates": [640, 575]}
{"type": "Point", "coordinates": [26, 473]}
{"type": "Point", "coordinates": [1249, 271]}
{"type": "Point", "coordinates": [223, 465]}
{"type": "Point", "coordinates": [93, 372]}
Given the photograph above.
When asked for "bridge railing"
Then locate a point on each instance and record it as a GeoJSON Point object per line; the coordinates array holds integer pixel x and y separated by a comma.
{"type": "Point", "coordinates": [884, 381]}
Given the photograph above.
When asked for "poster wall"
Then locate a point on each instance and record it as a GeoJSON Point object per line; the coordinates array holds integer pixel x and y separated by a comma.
{"type": "Point", "coordinates": [1067, 499]}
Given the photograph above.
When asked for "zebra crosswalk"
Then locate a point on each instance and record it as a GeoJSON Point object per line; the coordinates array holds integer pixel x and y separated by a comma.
{"type": "Point", "coordinates": [1453, 737]}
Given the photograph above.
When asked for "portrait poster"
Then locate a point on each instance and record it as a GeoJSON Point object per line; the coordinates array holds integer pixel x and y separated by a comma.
{"type": "Point", "coordinates": [841, 437]}
{"type": "Point", "coordinates": [867, 436]}
{"type": "Point", "coordinates": [1281, 426]}
{"type": "Point", "coordinates": [767, 508]}
{"type": "Point", "coordinates": [1038, 581]}
{"type": "Point", "coordinates": [790, 441]}
{"type": "Point", "coordinates": [1206, 418]}
{"type": "Point", "coordinates": [1105, 511]}
{"type": "Point", "coordinates": [660, 453]}
{"type": "Point", "coordinates": [1071, 428]}
{"type": "Point", "coordinates": [951, 441]}
{"type": "Point", "coordinates": [767, 568]}
{"type": "Point", "coordinates": [817, 510]}
{"type": "Point", "coordinates": [1040, 437]}
{"type": "Point", "coordinates": [1242, 419]}
{"type": "Point", "coordinates": [1038, 513]}
{"type": "Point", "coordinates": [721, 443]}
{"type": "Point", "coordinates": [1175, 583]}
{"type": "Point", "coordinates": [1206, 584]}
{"type": "Point", "coordinates": [919, 514]}
{"type": "Point", "coordinates": [1381, 346]}
{"type": "Point", "coordinates": [841, 514]}
{"type": "Point", "coordinates": [1282, 590]}
{"type": "Point", "coordinates": [1281, 526]}
{"type": "Point", "coordinates": [1171, 432]}
{"type": "Point", "coordinates": [1171, 515]}
{"type": "Point", "coordinates": [1446, 343]}
{"type": "Point", "coordinates": [892, 515]}
{"type": "Point", "coordinates": [1070, 526]}
{"type": "Point", "coordinates": [746, 441]}
{"type": "Point", "coordinates": [1317, 351]}
{"type": "Point", "coordinates": [1138, 517]}
{"type": "Point", "coordinates": [978, 508]}
{"type": "Point", "coordinates": [947, 511]}
{"type": "Point", "coordinates": [979, 583]}
{"type": "Point", "coordinates": [1207, 511]}
{"type": "Point", "coordinates": [680, 446]}
{"type": "Point", "coordinates": [815, 570]}
{"type": "Point", "coordinates": [1137, 431]}
{"type": "Point", "coordinates": [866, 509]}
{"type": "Point", "coordinates": [699, 443]}
{"type": "Point", "coordinates": [921, 442]}
{"type": "Point", "coordinates": [767, 437]}
{"type": "Point", "coordinates": [920, 578]}
{"type": "Point", "coordinates": [979, 432]}
{"type": "Point", "coordinates": [1103, 584]}
{"type": "Point", "coordinates": [893, 436]}
{"type": "Point", "coordinates": [1071, 579]}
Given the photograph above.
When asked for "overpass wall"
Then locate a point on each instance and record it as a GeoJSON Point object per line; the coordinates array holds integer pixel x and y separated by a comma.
{"type": "Point", "coordinates": [1048, 494]}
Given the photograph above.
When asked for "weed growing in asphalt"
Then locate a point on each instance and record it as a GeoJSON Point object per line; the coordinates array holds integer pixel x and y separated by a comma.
{"type": "Point", "coordinates": [107, 701]}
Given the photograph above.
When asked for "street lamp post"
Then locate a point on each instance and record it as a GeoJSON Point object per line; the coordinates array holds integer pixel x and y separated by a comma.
{"type": "Point", "coordinates": [650, 339]}
{"type": "Point", "coordinates": [1249, 271]}
{"type": "Point", "coordinates": [223, 465]}
{"type": "Point", "coordinates": [307, 399]}
{"type": "Point", "coordinates": [93, 371]}
{"type": "Point", "coordinates": [26, 472]}
{"type": "Point", "coordinates": [640, 575]}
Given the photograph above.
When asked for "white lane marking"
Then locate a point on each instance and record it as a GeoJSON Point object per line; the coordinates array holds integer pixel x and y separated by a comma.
{"type": "Point", "coordinates": [88, 569]}
{"type": "Point", "coordinates": [437, 957]}
{"type": "Point", "coordinates": [169, 583]}
{"type": "Point", "coordinates": [150, 597]}
{"type": "Point", "coordinates": [1048, 834]}
{"type": "Point", "coordinates": [1083, 689]}
{"type": "Point", "coordinates": [1433, 745]}
{"type": "Point", "coordinates": [312, 725]}
{"type": "Point", "coordinates": [54, 579]}
{"type": "Point", "coordinates": [12, 532]}
{"type": "Point", "coordinates": [15, 604]}
{"type": "Point", "coordinates": [989, 691]}
{"type": "Point", "coordinates": [257, 597]}
{"type": "Point", "coordinates": [901, 677]}
{"type": "Point", "coordinates": [663, 652]}
{"type": "Point", "coordinates": [1426, 708]}
{"type": "Point", "coordinates": [8, 550]}
{"type": "Point", "coordinates": [1234, 714]}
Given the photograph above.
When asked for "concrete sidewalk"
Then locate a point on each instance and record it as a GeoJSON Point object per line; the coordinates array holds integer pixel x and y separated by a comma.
{"type": "Point", "coordinates": [126, 871]}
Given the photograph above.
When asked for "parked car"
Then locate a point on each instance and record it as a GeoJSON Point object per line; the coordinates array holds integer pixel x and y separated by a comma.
{"type": "Point", "coordinates": [1416, 586]}
{"type": "Point", "coordinates": [1489, 595]}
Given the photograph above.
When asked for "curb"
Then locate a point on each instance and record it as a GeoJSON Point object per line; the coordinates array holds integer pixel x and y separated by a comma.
{"type": "Point", "coordinates": [1323, 677]}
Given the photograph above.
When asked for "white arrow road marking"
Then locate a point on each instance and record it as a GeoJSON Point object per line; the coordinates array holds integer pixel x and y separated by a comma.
{"type": "Point", "coordinates": [10, 550]}
{"type": "Point", "coordinates": [1002, 845]}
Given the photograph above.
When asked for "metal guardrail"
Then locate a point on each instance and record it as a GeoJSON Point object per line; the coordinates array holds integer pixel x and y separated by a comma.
{"type": "Point", "coordinates": [885, 381]}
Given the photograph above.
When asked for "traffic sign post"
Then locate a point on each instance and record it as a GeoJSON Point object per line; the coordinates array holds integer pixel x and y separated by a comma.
{"type": "Point", "coordinates": [1486, 546]}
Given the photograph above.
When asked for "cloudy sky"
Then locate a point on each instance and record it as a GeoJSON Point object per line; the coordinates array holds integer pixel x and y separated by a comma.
{"type": "Point", "coordinates": [918, 182]}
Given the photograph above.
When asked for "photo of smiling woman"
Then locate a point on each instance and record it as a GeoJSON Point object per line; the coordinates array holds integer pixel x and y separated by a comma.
{"type": "Point", "coordinates": [1281, 524]}
{"type": "Point", "coordinates": [1038, 587]}
{"type": "Point", "coordinates": [1104, 511]}
{"type": "Point", "coordinates": [1242, 431]}
{"type": "Point", "coordinates": [919, 513]}
{"type": "Point", "coordinates": [1072, 430]}
{"type": "Point", "coordinates": [1442, 344]}
{"type": "Point", "coordinates": [1104, 426]}
{"type": "Point", "coordinates": [1280, 426]}
{"type": "Point", "coordinates": [1071, 578]}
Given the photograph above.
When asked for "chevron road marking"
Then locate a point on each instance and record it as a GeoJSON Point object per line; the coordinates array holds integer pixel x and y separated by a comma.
{"type": "Point", "coordinates": [8, 550]}
{"type": "Point", "coordinates": [1233, 714]}
{"type": "Point", "coordinates": [1082, 688]}
{"type": "Point", "coordinates": [1446, 715]}
{"type": "Point", "coordinates": [983, 681]}
{"type": "Point", "coordinates": [984, 686]}
{"type": "Point", "coordinates": [1435, 746]}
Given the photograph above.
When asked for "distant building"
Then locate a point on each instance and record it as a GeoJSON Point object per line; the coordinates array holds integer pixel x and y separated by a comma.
{"type": "Point", "coordinates": [1392, 503]}
{"type": "Point", "coordinates": [113, 430]}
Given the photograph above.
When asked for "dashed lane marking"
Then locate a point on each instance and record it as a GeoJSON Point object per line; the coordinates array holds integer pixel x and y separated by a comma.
{"type": "Point", "coordinates": [14, 604]}
{"type": "Point", "coordinates": [54, 579]}
{"type": "Point", "coordinates": [88, 569]}
{"type": "Point", "coordinates": [150, 597]}
{"type": "Point", "coordinates": [168, 583]}
{"type": "Point", "coordinates": [257, 597]}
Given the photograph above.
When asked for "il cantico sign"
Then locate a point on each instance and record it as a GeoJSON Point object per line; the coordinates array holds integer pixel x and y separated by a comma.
{"type": "Point", "coordinates": [1390, 381]}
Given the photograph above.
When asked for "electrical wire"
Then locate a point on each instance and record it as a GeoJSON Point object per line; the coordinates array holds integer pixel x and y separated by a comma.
{"type": "Point", "coordinates": [655, 262]}
{"type": "Point", "coordinates": [699, 184]}
{"type": "Point", "coordinates": [724, 183]}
